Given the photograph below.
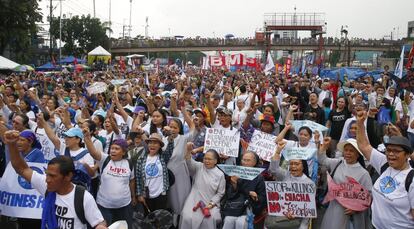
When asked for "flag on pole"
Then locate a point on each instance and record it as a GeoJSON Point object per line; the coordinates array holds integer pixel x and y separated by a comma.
{"type": "Point", "coordinates": [269, 64]}
{"type": "Point", "coordinates": [288, 64]}
{"type": "Point", "coordinates": [410, 57]}
{"type": "Point", "coordinates": [399, 67]}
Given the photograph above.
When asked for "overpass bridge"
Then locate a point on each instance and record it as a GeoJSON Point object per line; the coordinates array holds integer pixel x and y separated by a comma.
{"type": "Point", "coordinates": [123, 47]}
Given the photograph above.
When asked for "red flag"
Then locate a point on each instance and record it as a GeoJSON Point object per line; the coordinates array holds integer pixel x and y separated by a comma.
{"type": "Point", "coordinates": [75, 62]}
{"type": "Point", "coordinates": [288, 65]}
{"type": "Point", "coordinates": [410, 57]}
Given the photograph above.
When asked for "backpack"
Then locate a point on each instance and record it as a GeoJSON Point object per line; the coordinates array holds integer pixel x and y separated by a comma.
{"type": "Point", "coordinates": [408, 179]}
{"type": "Point", "coordinates": [80, 175]}
{"type": "Point", "coordinates": [78, 203]}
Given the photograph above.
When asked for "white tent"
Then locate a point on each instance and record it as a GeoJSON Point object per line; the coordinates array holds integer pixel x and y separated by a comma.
{"type": "Point", "coordinates": [99, 51]}
{"type": "Point", "coordinates": [7, 64]}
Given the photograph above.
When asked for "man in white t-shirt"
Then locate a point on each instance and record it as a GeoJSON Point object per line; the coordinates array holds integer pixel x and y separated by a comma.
{"type": "Point", "coordinates": [56, 182]}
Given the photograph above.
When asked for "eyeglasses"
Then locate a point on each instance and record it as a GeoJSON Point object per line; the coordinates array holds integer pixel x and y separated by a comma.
{"type": "Point", "coordinates": [394, 151]}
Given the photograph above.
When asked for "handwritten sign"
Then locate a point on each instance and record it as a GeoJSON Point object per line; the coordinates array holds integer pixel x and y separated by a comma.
{"type": "Point", "coordinates": [18, 198]}
{"type": "Point", "coordinates": [263, 144]}
{"type": "Point", "coordinates": [350, 194]}
{"type": "Point", "coordinates": [96, 88]}
{"type": "Point", "coordinates": [298, 153]}
{"type": "Point", "coordinates": [118, 82]}
{"type": "Point", "coordinates": [223, 141]}
{"type": "Point", "coordinates": [298, 198]}
{"type": "Point", "coordinates": [247, 173]}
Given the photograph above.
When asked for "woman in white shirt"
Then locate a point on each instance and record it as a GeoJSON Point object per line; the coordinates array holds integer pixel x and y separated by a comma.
{"type": "Point", "coordinates": [117, 188]}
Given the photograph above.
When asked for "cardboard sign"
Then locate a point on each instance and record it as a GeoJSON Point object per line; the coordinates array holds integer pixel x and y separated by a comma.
{"type": "Point", "coordinates": [96, 88]}
{"type": "Point", "coordinates": [298, 153]}
{"type": "Point", "coordinates": [294, 197]}
{"type": "Point", "coordinates": [263, 144]}
{"type": "Point", "coordinates": [247, 173]}
{"type": "Point", "coordinates": [17, 197]}
{"type": "Point", "coordinates": [118, 82]}
{"type": "Point", "coordinates": [350, 194]}
{"type": "Point", "coordinates": [223, 141]}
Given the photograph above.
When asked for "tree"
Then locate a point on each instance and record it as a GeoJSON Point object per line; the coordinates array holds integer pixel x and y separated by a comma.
{"type": "Point", "coordinates": [18, 27]}
{"type": "Point", "coordinates": [80, 34]}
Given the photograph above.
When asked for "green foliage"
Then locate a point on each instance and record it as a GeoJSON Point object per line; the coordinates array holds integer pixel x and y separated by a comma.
{"type": "Point", "coordinates": [80, 34]}
{"type": "Point", "coordinates": [18, 28]}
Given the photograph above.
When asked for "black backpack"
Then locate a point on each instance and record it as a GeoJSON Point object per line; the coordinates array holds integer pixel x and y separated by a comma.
{"type": "Point", "coordinates": [78, 203]}
{"type": "Point", "coordinates": [408, 178]}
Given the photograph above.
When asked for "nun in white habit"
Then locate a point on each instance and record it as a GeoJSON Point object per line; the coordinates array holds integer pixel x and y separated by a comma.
{"type": "Point", "coordinates": [208, 188]}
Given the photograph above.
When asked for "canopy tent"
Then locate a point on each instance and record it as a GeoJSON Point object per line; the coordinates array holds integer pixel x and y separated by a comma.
{"type": "Point", "coordinates": [135, 56]}
{"type": "Point", "coordinates": [48, 67]}
{"type": "Point", "coordinates": [23, 68]}
{"type": "Point", "coordinates": [7, 64]}
{"type": "Point", "coordinates": [71, 60]}
{"type": "Point", "coordinates": [98, 54]}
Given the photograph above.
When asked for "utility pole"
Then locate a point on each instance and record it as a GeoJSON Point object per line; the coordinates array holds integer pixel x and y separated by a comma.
{"type": "Point", "coordinates": [50, 29]}
{"type": "Point", "coordinates": [110, 25]}
{"type": "Point", "coordinates": [94, 13]}
{"type": "Point", "coordinates": [146, 27]}
{"type": "Point", "coordinates": [60, 31]}
{"type": "Point", "coordinates": [130, 18]}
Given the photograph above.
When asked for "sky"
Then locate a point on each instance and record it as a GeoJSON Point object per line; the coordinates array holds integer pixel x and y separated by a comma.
{"type": "Point", "coordinates": [216, 18]}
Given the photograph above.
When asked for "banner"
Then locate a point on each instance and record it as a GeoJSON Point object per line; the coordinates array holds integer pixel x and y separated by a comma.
{"type": "Point", "coordinates": [350, 194]}
{"type": "Point", "coordinates": [223, 141]}
{"type": "Point", "coordinates": [297, 153]}
{"type": "Point", "coordinates": [263, 144]}
{"type": "Point", "coordinates": [17, 197]}
{"type": "Point", "coordinates": [96, 88]}
{"type": "Point", "coordinates": [118, 82]}
{"type": "Point", "coordinates": [247, 173]}
{"type": "Point", "coordinates": [295, 197]}
{"type": "Point", "coordinates": [297, 124]}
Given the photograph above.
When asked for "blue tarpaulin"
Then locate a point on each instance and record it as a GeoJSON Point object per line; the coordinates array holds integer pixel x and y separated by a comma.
{"type": "Point", "coordinates": [48, 67]}
{"type": "Point", "coordinates": [71, 60]}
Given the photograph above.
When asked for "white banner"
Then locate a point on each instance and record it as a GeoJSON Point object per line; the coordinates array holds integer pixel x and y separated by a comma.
{"type": "Point", "coordinates": [295, 197]}
{"type": "Point", "coordinates": [263, 144]}
{"type": "Point", "coordinates": [297, 153]}
{"type": "Point", "coordinates": [223, 141]}
{"type": "Point", "coordinates": [247, 173]}
{"type": "Point", "coordinates": [17, 197]}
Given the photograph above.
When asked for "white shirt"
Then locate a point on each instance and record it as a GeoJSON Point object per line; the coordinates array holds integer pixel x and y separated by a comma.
{"type": "Point", "coordinates": [114, 189]}
{"type": "Point", "coordinates": [85, 159]}
{"type": "Point", "coordinates": [391, 204]}
{"type": "Point", "coordinates": [153, 176]}
{"type": "Point", "coordinates": [65, 206]}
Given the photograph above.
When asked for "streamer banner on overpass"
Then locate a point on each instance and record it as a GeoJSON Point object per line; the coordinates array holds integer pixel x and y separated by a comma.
{"type": "Point", "coordinates": [237, 60]}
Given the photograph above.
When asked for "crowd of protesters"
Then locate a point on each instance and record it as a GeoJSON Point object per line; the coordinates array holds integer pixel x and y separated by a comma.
{"type": "Point", "coordinates": [141, 142]}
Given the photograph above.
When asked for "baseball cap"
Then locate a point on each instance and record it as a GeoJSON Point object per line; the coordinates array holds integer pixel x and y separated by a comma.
{"type": "Point", "coordinates": [224, 110]}
{"type": "Point", "coordinates": [400, 141]}
{"type": "Point", "coordinates": [74, 132]}
{"type": "Point", "coordinates": [199, 110]}
{"type": "Point", "coordinates": [267, 118]}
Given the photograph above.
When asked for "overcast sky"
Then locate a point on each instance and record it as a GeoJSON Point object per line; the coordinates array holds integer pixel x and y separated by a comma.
{"type": "Point", "coordinates": [190, 18]}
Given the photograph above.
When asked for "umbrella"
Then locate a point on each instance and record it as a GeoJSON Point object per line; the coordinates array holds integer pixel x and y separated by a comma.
{"type": "Point", "coordinates": [23, 68]}
{"type": "Point", "coordinates": [229, 36]}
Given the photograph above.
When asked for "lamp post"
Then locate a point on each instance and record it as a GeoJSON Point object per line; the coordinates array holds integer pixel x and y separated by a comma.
{"type": "Point", "coordinates": [60, 31]}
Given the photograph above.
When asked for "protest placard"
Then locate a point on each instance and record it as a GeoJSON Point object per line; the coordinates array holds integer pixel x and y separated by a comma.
{"type": "Point", "coordinates": [248, 173]}
{"type": "Point", "coordinates": [349, 194]}
{"type": "Point", "coordinates": [223, 141]}
{"type": "Point", "coordinates": [96, 88]}
{"type": "Point", "coordinates": [17, 197]}
{"type": "Point", "coordinates": [118, 82]}
{"type": "Point", "coordinates": [263, 144]}
{"type": "Point", "coordinates": [297, 124]}
{"type": "Point", "coordinates": [298, 198]}
{"type": "Point", "coordinates": [298, 153]}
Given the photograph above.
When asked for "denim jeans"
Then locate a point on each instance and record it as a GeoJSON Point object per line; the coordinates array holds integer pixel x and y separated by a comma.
{"type": "Point", "coordinates": [112, 215]}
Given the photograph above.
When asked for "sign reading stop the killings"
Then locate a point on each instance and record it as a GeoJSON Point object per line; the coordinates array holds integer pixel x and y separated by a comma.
{"type": "Point", "coordinates": [296, 198]}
